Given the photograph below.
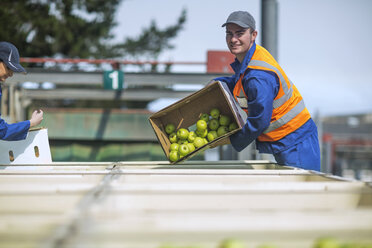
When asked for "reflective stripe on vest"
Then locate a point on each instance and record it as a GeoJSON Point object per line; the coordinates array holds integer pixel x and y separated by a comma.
{"type": "Point", "coordinates": [287, 92]}
{"type": "Point", "coordinates": [287, 117]}
{"type": "Point", "coordinates": [242, 100]}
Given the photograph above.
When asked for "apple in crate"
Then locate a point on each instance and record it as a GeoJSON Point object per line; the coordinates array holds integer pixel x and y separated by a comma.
{"type": "Point", "coordinates": [191, 147]}
{"type": "Point", "coordinates": [233, 126]}
{"type": "Point", "coordinates": [182, 133]}
{"type": "Point", "coordinates": [213, 124]}
{"type": "Point", "coordinates": [173, 138]}
{"type": "Point", "coordinates": [198, 142]}
{"type": "Point", "coordinates": [170, 128]}
{"type": "Point", "coordinates": [224, 120]}
{"type": "Point", "coordinates": [204, 117]}
{"type": "Point", "coordinates": [212, 135]}
{"type": "Point", "coordinates": [192, 136]}
{"type": "Point", "coordinates": [174, 156]}
{"type": "Point", "coordinates": [201, 125]}
{"type": "Point", "coordinates": [174, 147]}
{"type": "Point", "coordinates": [215, 113]}
{"type": "Point", "coordinates": [222, 130]}
{"type": "Point", "coordinates": [184, 150]}
{"type": "Point", "coordinates": [202, 133]}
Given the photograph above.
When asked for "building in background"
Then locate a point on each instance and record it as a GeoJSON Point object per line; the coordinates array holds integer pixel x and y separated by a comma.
{"type": "Point", "coordinates": [347, 146]}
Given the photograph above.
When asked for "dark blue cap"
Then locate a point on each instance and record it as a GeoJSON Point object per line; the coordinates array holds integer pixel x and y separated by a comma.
{"type": "Point", "coordinates": [10, 56]}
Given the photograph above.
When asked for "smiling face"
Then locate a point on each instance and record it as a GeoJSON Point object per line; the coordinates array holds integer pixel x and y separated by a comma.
{"type": "Point", "coordinates": [5, 72]}
{"type": "Point", "coordinates": [239, 40]}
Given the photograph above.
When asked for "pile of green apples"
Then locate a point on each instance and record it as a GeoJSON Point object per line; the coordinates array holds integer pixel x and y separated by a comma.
{"type": "Point", "coordinates": [206, 129]}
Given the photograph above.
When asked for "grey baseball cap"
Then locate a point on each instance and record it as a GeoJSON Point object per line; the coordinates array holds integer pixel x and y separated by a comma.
{"type": "Point", "coordinates": [10, 56]}
{"type": "Point", "coordinates": [241, 18]}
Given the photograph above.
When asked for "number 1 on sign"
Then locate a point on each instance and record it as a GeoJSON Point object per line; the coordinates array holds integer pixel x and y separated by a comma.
{"type": "Point", "coordinates": [115, 79]}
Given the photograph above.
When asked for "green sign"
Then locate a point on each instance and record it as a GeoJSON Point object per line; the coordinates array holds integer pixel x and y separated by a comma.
{"type": "Point", "coordinates": [113, 80]}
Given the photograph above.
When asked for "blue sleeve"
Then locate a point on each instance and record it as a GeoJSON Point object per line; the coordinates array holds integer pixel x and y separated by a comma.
{"type": "Point", "coordinates": [260, 88]}
{"type": "Point", "coordinates": [230, 81]}
{"type": "Point", "coordinates": [16, 131]}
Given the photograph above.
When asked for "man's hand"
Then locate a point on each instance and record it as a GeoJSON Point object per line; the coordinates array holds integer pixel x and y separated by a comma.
{"type": "Point", "coordinates": [36, 118]}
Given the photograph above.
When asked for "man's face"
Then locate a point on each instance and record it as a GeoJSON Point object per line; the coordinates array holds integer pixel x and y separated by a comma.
{"type": "Point", "coordinates": [239, 40]}
{"type": "Point", "coordinates": [5, 72]}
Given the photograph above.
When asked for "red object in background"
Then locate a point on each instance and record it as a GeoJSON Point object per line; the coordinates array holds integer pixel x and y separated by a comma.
{"type": "Point", "coordinates": [327, 137]}
{"type": "Point", "coordinates": [219, 62]}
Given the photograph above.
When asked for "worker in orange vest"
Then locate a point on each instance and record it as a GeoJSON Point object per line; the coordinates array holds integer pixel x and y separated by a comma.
{"type": "Point", "coordinates": [277, 117]}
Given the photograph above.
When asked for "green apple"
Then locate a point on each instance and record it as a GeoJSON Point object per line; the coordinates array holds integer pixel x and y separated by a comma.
{"type": "Point", "coordinates": [232, 243]}
{"type": "Point", "coordinates": [169, 128]}
{"type": "Point", "coordinates": [174, 156]}
{"type": "Point", "coordinates": [224, 120]}
{"type": "Point", "coordinates": [202, 133]}
{"type": "Point", "coordinates": [182, 133]}
{"type": "Point", "coordinates": [222, 130]}
{"type": "Point", "coordinates": [168, 246]}
{"type": "Point", "coordinates": [192, 136]}
{"type": "Point", "coordinates": [212, 135]}
{"type": "Point", "coordinates": [182, 141]}
{"type": "Point", "coordinates": [213, 124]}
{"type": "Point", "coordinates": [173, 137]}
{"type": "Point", "coordinates": [204, 117]}
{"type": "Point", "coordinates": [215, 113]}
{"type": "Point", "coordinates": [233, 126]}
{"type": "Point", "coordinates": [183, 150]}
{"type": "Point", "coordinates": [201, 125]}
{"type": "Point", "coordinates": [205, 141]}
{"type": "Point", "coordinates": [267, 246]}
{"type": "Point", "coordinates": [191, 147]}
{"type": "Point", "coordinates": [198, 142]}
{"type": "Point", "coordinates": [174, 146]}
{"type": "Point", "coordinates": [326, 243]}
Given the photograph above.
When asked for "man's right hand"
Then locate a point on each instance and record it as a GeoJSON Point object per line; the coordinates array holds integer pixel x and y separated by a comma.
{"type": "Point", "coordinates": [36, 118]}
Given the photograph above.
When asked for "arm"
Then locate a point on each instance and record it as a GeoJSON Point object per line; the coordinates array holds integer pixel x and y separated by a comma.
{"type": "Point", "coordinates": [261, 88]}
{"type": "Point", "coordinates": [19, 130]}
{"type": "Point", "coordinates": [16, 131]}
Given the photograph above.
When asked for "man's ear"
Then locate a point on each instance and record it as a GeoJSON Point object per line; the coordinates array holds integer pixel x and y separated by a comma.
{"type": "Point", "coordinates": [254, 35]}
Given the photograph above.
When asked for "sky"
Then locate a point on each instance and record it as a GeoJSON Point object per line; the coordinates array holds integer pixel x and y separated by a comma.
{"type": "Point", "coordinates": [324, 46]}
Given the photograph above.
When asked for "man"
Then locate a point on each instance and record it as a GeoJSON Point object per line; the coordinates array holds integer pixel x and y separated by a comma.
{"type": "Point", "coordinates": [9, 63]}
{"type": "Point", "coordinates": [277, 117]}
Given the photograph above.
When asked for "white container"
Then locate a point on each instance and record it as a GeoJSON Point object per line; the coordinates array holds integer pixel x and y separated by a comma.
{"type": "Point", "coordinates": [32, 150]}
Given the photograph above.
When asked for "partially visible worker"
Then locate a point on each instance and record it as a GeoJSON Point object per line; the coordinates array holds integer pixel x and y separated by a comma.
{"type": "Point", "coordinates": [277, 117]}
{"type": "Point", "coordinates": [9, 64]}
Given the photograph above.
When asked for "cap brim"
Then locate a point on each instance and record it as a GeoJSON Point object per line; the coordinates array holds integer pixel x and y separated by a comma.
{"type": "Point", "coordinates": [16, 67]}
{"type": "Point", "coordinates": [237, 23]}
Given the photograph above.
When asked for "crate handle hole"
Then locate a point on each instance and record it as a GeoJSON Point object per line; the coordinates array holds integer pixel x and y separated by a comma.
{"type": "Point", "coordinates": [11, 156]}
{"type": "Point", "coordinates": [36, 149]}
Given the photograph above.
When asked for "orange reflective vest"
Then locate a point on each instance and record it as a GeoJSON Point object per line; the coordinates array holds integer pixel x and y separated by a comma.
{"type": "Point", "coordinates": [289, 111]}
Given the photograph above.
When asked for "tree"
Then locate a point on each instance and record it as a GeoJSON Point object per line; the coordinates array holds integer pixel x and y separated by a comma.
{"type": "Point", "coordinates": [71, 28]}
{"type": "Point", "coordinates": [153, 40]}
{"type": "Point", "coordinates": [77, 29]}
